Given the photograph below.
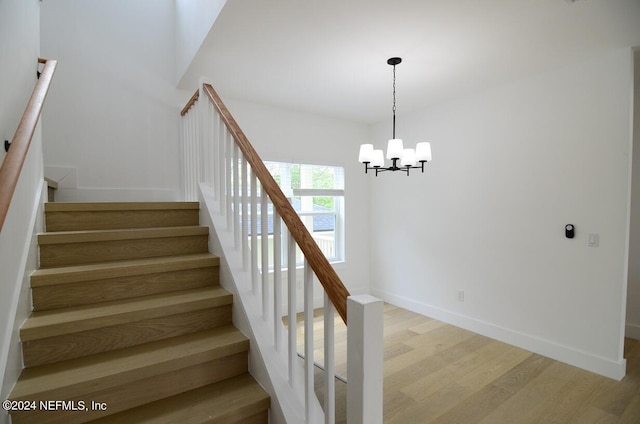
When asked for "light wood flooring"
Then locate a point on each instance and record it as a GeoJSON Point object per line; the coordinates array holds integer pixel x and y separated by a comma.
{"type": "Point", "coordinates": [440, 374]}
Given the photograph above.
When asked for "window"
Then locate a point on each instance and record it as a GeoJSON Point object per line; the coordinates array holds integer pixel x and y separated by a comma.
{"type": "Point", "coordinates": [316, 192]}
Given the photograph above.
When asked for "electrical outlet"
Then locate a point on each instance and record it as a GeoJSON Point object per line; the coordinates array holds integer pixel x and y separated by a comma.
{"type": "Point", "coordinates": [460, 296]}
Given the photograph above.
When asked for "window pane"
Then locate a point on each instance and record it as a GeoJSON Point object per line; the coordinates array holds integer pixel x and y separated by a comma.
{"type": "Point", "coordinates": [323, 177]}
{"type": "Point", "coordinates": [325, 239]}
{"type": "Point", "coordinates": [324, 234]}
{"type": "Point", "coordinates": [324, 202]}
{"type": "Point", "coordinates": [321, 214]}
{"type": "Point", "coordinates": [313, 204]}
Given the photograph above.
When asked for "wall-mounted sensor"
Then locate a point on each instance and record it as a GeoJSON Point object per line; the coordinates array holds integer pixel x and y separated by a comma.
{"type": "Point", "coordinates": [569, 230]}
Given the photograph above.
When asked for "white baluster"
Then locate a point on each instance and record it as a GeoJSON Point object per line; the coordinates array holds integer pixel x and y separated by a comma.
{"type": "Point", "coordinates": [277, 279]}
{"type": "Point", "coordinates": [192, 155]}
{"type": "Point", "coordinates": [223, 169]}
{"type": "Point", "coordinates": [183, 156]}
{"type": "Point", "coordinates": [215, 134]}
{"type": "Point", "coordinates": [236, 195]}
{"type": "Point", "coordinates": [187, 151]}
{"type": "Point", "coordinates": [211, 119]}
{"type": "Point", "coordinates": [228, 183]}
{"type": "Point", "coordinates": [329, 363]}
{"type": "Point", "coordinates": [202, 109]}
{"type": "Point", "coordinates": [196, 153]}
{"type": "Point", "coordinates": [220, 168]}
{"type": "Point", "coordinates": [196, 157]}
{"type": "Point", "coordinates": [264, 215]}
{"type": "Point", "coordinates": [308, 340]}
{"type": "Point", "coordinates": [245, 215]}
{"type": "Point", "coordinates": [254, 233]}
{"type": "Point", "coordinates": [292, 307]}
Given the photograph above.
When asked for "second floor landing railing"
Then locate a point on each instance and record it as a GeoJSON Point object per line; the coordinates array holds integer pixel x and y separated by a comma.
{"type": "Point", "coordinates": [217, 153]}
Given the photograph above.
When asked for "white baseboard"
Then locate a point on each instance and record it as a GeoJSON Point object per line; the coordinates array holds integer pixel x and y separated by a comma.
{"type": "Point", "coordinates": [632, 331]}
{"type": "Point", "coordinates": [585, 360]}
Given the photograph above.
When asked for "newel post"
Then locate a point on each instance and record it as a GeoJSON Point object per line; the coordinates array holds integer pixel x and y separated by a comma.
{"type": "Point", "coordinates": [364, 359]}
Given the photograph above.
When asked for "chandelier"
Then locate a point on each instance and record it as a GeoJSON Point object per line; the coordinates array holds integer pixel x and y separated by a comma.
{"type": "Point", "coordinates": [407, 158]}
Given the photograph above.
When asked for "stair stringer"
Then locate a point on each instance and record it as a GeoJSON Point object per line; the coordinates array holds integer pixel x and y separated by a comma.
{"type": "Point", "coordinates": [266, 364]}
{"type": "Point", "coordinates": [17, 275]}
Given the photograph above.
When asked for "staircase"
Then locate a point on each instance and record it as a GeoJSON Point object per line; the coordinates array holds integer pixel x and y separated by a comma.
{"type": "Point", "coordinates": [129, 324]}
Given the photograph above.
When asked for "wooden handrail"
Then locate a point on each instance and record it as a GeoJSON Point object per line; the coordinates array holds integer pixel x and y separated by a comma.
{"type": "Point", "coordinates": [190, 103]}
{"type": "Point", "coordinates": [14, 160]}
{"type": "Point", "coordinates": [327, 276]}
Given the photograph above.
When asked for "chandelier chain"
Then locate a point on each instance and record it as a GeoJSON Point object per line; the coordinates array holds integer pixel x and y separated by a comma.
{"type": "Point", "coordinates": [394, 89]}
{"type": "Point", "coordinates": [394, 101]}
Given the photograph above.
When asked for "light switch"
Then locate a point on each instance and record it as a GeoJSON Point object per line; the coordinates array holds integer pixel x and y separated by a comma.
{"type": "Point", "coordinates": [592, 240]}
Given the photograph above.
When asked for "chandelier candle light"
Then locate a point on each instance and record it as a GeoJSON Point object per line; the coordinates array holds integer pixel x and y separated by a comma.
{"type": "Point", "coordinates": [409, 158]}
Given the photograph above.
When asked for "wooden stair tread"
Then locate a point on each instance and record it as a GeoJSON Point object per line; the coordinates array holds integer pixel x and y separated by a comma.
{"type": "Point", "coordinates": [89, 236]}
{"type": "Point", "coordinates": [117, 206]}
{"type": "Point", "coordinates": [73, 274]}
{"type": "Point", "coordinates": [128, 311]}
{"type": "Point", "coordinates": [50, 323]}
{"type": "Point", "coordinates": [227, 401]}
{"type": "Point", "coordinates": [77, 377]}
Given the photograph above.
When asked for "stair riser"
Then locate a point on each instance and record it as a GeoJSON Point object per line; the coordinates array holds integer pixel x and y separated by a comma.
{"type": "Point", "coordinates": [111, 220]}
{"type": "Point", "coordinates": [126, 313]}
{"type": "Point", "coordinates": [87, 292]}
{"type": "Point", "coordinates": [260, 418]}
{"type": "Point", "coordinates": [75, 345]}
{"type": "Point", "coordinates": [122, 397]}
{"type": "Point", "coordinates": [66, 254]}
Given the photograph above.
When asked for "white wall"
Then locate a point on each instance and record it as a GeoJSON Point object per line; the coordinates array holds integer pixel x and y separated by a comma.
{"type": "Point", "coordinates": [511, 166]}
{"type": "Point", "coordinates": [633, 297]}
{"type": "Point", "coordinates": [112, 121]}
{"type": "Point", "coordinates": [290, 136]}
{"type": "Point", "coordinates": [19, 51]}
{"type": "Point", "coordinates": [193, 22]}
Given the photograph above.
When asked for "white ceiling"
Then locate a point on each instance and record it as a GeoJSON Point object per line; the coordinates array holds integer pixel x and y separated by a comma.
{"type": "Point", "coordinates": [329, 56]}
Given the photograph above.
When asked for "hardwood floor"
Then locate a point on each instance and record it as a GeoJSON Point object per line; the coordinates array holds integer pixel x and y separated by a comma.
{"type": "Point", "coordinates": [440, 374]}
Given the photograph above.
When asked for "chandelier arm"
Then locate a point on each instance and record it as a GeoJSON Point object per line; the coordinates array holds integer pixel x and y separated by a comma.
{"type": "Point", "coordinates": [394, 167]}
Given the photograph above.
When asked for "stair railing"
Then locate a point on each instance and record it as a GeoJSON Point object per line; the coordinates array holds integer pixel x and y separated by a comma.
{"type": "Point", "coordinates": [19, 147]}
{"type": "Point", "coordinates": [217, 155]}
{"type": "Point", "coordinates": [22, 194]}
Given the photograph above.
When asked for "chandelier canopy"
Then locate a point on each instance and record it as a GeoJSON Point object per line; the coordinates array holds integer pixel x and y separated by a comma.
{"type": "Point", "coordinates": [408, 158]}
